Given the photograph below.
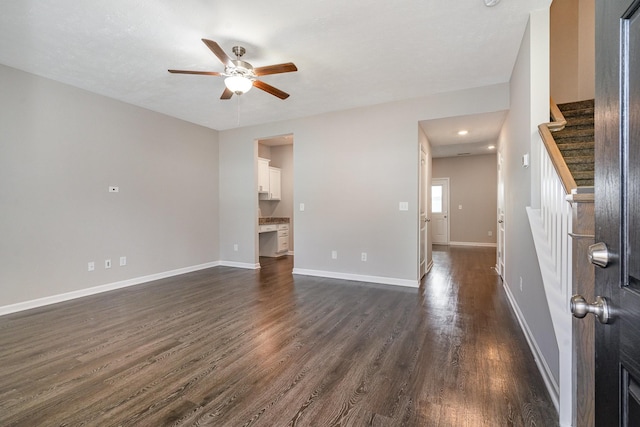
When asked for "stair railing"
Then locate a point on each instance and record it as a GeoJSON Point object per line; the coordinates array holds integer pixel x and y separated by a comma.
{"type": "Point", "coordinates": [557, 123]}
{"type": "Point", "coordinates": [563, 229]}
{"type": "Point", "coordinates": [556, 215]}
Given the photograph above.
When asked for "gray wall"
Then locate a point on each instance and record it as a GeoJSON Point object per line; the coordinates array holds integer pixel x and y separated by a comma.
{"type": "Point", "coordinates": [351, 170]}
{"type": "Point", "coordinates": [520, 136]}
{"type": "Point", "coordinates": [473, 183]}
{"type": "Point", "coordinates": [60, 149]}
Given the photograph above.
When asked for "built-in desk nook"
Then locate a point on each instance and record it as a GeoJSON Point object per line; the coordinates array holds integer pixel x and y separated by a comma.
{"type": "Point", "coordinates": [274, 236]}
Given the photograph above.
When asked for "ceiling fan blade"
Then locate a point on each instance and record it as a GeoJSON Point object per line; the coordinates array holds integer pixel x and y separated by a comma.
{"type": "Point", "coordinates": [217, 51]}
{"type": "Point", "coordinates": [227, 94]}
{"type": "Point", "coordinates": [270, 89]}
{"type": "Point", "coordinates": [204, 73]}
{"type": "Point", "coordinates": [275, 69]}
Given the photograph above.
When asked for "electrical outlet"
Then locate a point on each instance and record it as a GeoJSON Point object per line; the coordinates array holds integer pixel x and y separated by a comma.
{"type": "Point", "coordinates": [334, 254]}
{"type": "Point", "coordinates": [123, 261]}
{"type": "Point", "coordinates": [490, 233]}
{"type": "Point", "coordinates": [91, 266]}
{"type": "Point", "coordinates": [363, 257]}
{"type": "Point", "coordinates": [107, 263]}
{"type": "Point", "coordinates": [235, 247]}
{"type": "Point", "coordinates": [460, 207]}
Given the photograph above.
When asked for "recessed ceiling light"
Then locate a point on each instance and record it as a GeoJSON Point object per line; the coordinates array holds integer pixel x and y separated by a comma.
{"type": "Point", "coordinates": [491, 147]}
{"type": "Point", "coordinates": [463, 132]}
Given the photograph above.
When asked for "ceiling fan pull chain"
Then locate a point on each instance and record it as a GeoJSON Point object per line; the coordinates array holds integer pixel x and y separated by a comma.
{"type": "Point", "coordinates": [238, 110]}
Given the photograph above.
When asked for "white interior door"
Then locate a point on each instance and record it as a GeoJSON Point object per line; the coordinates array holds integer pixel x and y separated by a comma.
{"type": "Point", "coordinates": [440, 211]}
{"type": "Point", "coordinates": [501, 253]}
{"type": "Point", "coordinates": [423, 214]}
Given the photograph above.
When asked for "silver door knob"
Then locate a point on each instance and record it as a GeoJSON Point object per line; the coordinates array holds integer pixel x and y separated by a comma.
{"type": "Point", "coordinates": [599, 254]}
{"type": "Point", "coordinates": [600, 308]}
{"type": "Point", "coordinates": [500, 221]}
{"type": "Point", "coordinates": [428, 219]}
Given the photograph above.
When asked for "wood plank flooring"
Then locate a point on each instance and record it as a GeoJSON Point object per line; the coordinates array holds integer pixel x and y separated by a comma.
{"type": "Point", "coordinates": [232, 347]}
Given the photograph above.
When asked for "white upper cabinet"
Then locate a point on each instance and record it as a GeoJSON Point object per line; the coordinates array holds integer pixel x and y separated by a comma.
{"type": "Point", "coordinates": [275, 191]}
{"type": "Point", "coordinates": [263, 175]}
{"type": "Point", "coordinates": [269, 181]}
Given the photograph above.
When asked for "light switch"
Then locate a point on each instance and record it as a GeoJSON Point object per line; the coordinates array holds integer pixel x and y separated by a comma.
{"type": "Point", "coordinates": [460, 207]}
{"type": "Point", "coordinates": [301, 207]}
{"type": "Point", "coordinates": [404, 206]}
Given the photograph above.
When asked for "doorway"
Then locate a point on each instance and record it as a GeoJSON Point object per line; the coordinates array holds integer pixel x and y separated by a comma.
{"type": "Point", "coordinates": [440, 211]}
{"type": "Point", "coordinates": [275, 197]}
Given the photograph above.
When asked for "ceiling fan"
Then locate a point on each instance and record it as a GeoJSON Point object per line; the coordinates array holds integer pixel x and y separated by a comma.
{"type": "Point", "coordinates": [239, 75]}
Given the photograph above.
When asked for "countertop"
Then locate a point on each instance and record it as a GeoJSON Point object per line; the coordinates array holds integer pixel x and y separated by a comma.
{"type": "Point", "coordinates": [273, 220]}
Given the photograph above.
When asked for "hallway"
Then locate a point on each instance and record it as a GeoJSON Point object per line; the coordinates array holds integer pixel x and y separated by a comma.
{"type": "Point", "coordinates": [232, 347]}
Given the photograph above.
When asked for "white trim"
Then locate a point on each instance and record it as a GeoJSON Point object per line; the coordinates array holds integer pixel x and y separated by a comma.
{"type": "Point", "coordinates": [358, 277]}
{"type": "Point", "coordinates": [245, 265]}
{"type": "Point", "coordinates": [543, 367]}
{"type": "Point", "coordinates": [26, 305]}
{"type": "Point", "coordinates": [484, 245]}
{"type": "Point", "coordinates": [290, 253]}
{"type": "Point", "coordinates": [429, 267]}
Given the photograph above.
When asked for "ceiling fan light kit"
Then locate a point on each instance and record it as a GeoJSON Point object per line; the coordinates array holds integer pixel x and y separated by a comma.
{"type": "Point", "coordinates": [490, 3]}
{"type": "Point", "coordinates": [238, 84]}
{"type": "Point", "coordinates": [241, 76]}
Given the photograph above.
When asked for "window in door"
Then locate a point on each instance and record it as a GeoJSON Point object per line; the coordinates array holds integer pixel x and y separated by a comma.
{"type": "Point", "coordinates": [436, 199]}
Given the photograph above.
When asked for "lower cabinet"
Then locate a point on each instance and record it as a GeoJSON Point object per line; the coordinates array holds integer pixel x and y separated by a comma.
{"type": "Point", "coordinates": [274, 240]}
{"type": "Point", "coordinates": [283, 238]}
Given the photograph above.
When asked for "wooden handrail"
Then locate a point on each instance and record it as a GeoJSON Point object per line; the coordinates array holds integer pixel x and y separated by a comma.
{"type": "Point", "coordinates": [558, 123]}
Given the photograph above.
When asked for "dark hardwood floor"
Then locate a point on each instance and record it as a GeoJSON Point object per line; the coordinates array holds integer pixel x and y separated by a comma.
{"type": "Point", "coordinates": [232, 347]}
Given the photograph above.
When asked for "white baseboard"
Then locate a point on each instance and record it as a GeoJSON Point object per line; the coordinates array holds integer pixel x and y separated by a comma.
{"type": "Point", "coordinates": [484, 245]}
{"type": "Point", "coordinates": [245, 265]}
{"type": "Point", "coordinates": [358, 277]}
{"type": "Point", "coordinates": [543, 367]}
{"type": "Point", "coordinates": [26, 305]}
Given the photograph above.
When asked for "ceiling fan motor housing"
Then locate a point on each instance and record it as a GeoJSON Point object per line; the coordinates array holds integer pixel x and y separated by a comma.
{"type": "Point", "coordinates": [240, 68]}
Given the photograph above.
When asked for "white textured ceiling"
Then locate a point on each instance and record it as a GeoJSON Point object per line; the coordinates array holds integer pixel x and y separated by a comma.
{"type": "Point", "coordinates": [349, 53]}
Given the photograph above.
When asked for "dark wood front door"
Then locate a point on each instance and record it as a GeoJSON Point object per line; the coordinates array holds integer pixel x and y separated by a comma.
{"type": "Point", "coordinates": [617, 203]}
